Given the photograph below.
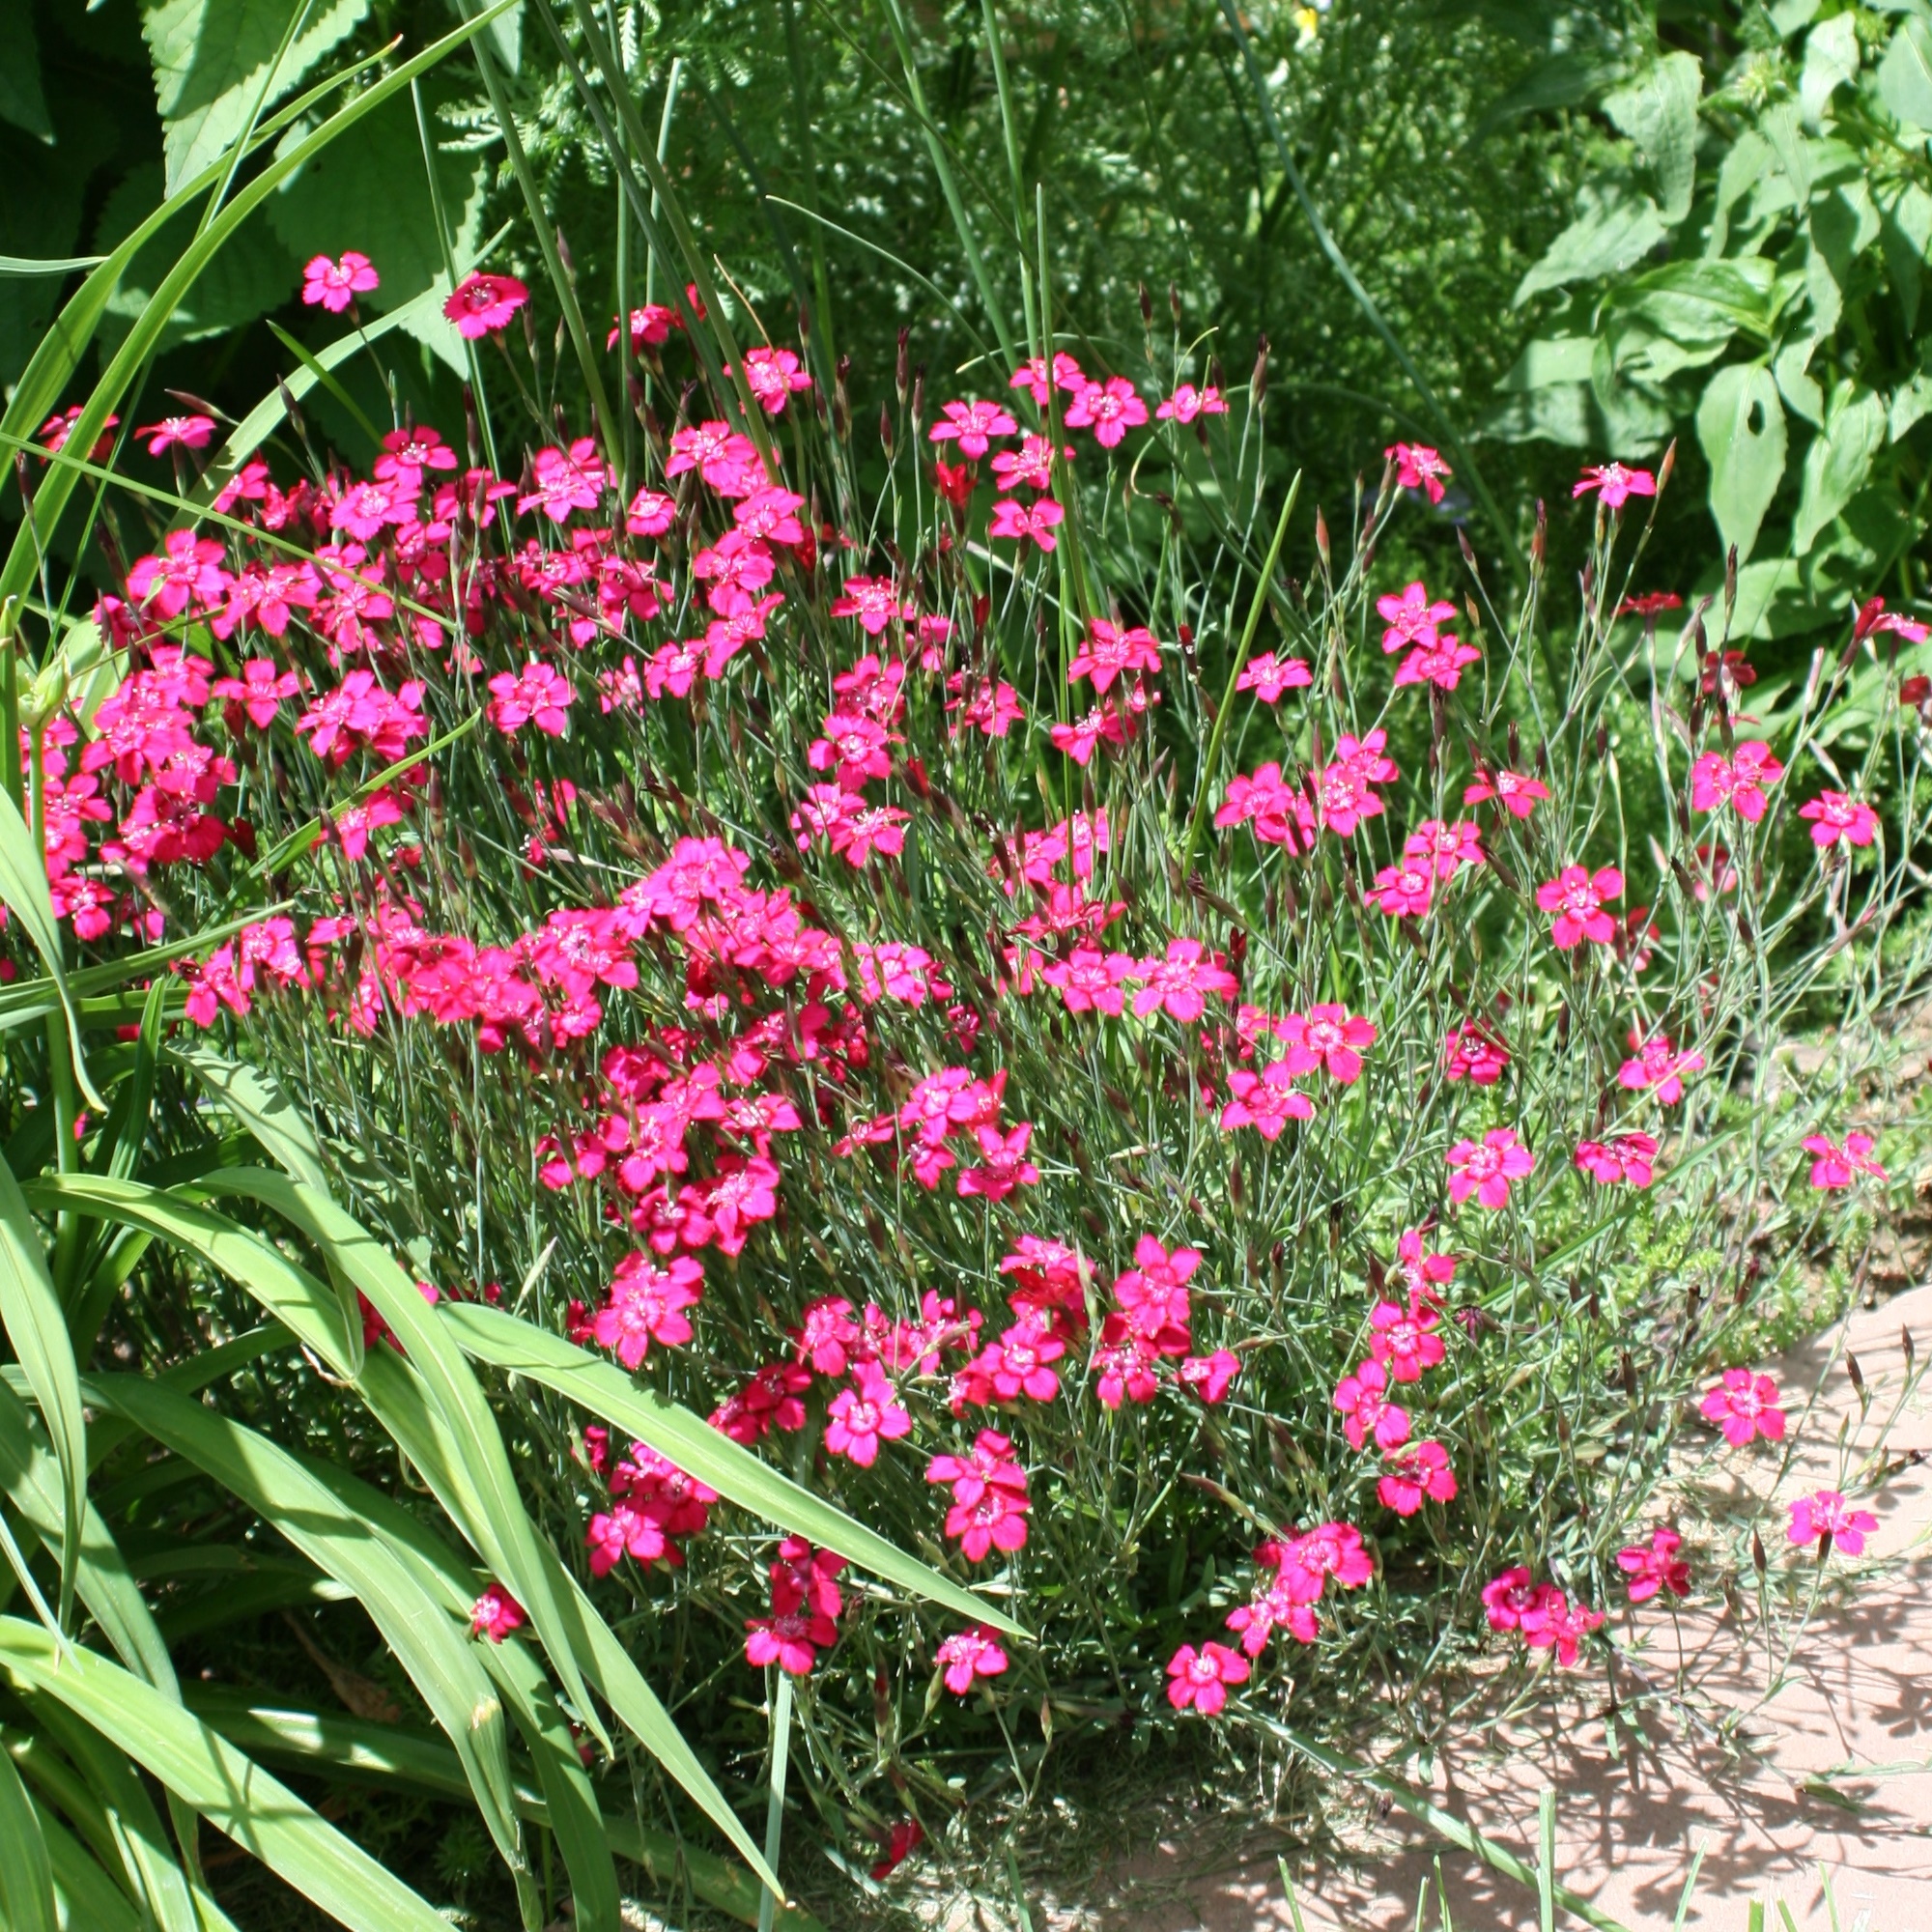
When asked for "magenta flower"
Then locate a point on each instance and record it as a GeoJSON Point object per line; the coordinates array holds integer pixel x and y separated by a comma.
{"type": "Point", "coordinates": [1265, 1101]}
{"type": "Point", "coordinates": [862, 1417]}
{"type": "Point", "coordinates": [566, 481]}
{"type": "Point", "coordinates": [1576, 898]}
{"type": "Point", "coordinates": [1211, 1376]}
{"type": "Point", "coordinates": [482, 304]}
{"type": "Point", "coordinates": [1827, 1514]}
{"type": "Point", "coordinates": [1738, 781]}
{"type": "Point", "coordinates": [1362, 1398]}
{"type": "Point", "coordinates": [1553, 1623]}
{"type": "Point", "coordinates": [1403, 1340]}
{"type": "Point", "coordinates": [1835, 817]}
{"type": "Point", "coordinates": [791, 1639]}
{"type": "Point", "coordinates": [334, 285]}
{"type": "Point", "coordinates": [1187, 402]}
{"type": "Point", "coordinates": [188, 432]}
{"type": "Point", "coordinates": [1003, 1164]}
{"type": "Point", "coordinates": [1471, 1052]}
{"type": "Point", "coordinates": [1180, 984]}
{"type": "Point", "coordinates": [1280, 813]}
{"type": "Point", "coordinates": [645, 1303]}
{"type": "Point", "coordinates": [1441, 663]}
{"type": "Point", "coordinates": [996, 1519]}
{"type": "Point", "coordinates": [1269, 677]}
{"type": "Point", "coordinates": [1111, 650]}
{"type": "Point", "coordinates": [495, 1614]}
{"type": "Point", "coordinates": [1020, 1363]}
{"type": "Point", "coordinates": [773, 377]}
{"type": "Point", "coordinates": [970, 1654]}
{"type": "Point", "coordinates": [1744, 1406]}
{"type": "Point", "coordinates": [1017, 521]}
{"type": "Point", "coordinates": [538, 695]}
{"type": "Point", "coordinates": [1835, 1166]}
{"type": "Point", "coordinates": [1616, 484]}
{"type": "Point", "coordinates": [972, 425]}
{"type": "Point", "coordinates": [1508, 1596]}
{"type": "Point", "coordinates": [1419, 1475]}
{"type": "Point", "coordinates": [1200, 1678]}
{"type": "Point", "coordinates": [1656, 1567]}
{"type": "Point", "coordinates": [1517, 794]}
{"type": "Point", "coordinates": [1031, 375]}
{"type": "Point", "coordinates": [1403, 891]}
{"type": "Point", "coordinates": [1629, 1158]}
{"type": "Point", "coordinates": [1487, 1167]}
{"type": "Point", "coordinates": [1412, 618]}
{"type": "Point", "coordinates": [1328, 1037]}
{"type": "Point", "coordinates": [1417, 466]}
{"type": "Point", "coordinates": [1421, 1270]}
{"type": "Point", "coordinates": [1109, 409]}
{"type": "Point", "coordinates": [625, 1530]}
{"type": "Point", "coordinates": [1447, 848]}
{"type": "Point", "coordinates": [1658, 1066]}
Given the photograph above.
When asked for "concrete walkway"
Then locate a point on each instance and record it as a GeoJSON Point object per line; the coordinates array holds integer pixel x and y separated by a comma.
{"type": "Point", "coordinates": [1828, 1779]}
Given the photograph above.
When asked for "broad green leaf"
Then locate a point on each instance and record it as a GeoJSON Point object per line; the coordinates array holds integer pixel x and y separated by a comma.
{"type": "Point", "coordinates": [216, 65]}
{"type": "Point", "coordinates": [1906, 231]}
{"type": "Point", "coordinates": [36, 1325]}
{"type": "Point", "coordinates": [269, 1114]}
{"type": "Point", "coordinates": [1659, 111]}
{"type": "Point", "coordinates": [235, 1795]}
{"type": "Point", "coordinates": [21, 100]}
{"type": "Point", "coordinates": [1766, 594]}
{"type": "Point", "coordinates": [1830, 59]}
{"type": "Point", "coordinates": [1612, 230]}
{"type": "Point", "coordinates": [495, 1336]}
{"type": "Point", "coordinates": [1741, 429]}
{"type": "Point", "coordinates": [325, 1318]}
{"type": "Point", "coordinates": [1838, 462]}
{"type": "Point", "coordinates": [1911, 402]}
{"type": "Point", "coordinates": [27, 1874]}
{"type": "Point", "coordinates": [1804, 395]}
{"type": "Point", "coordinates": [1700, 303]}
{"type": "Point", "coordinates": [507, 1535]}
{"type": "Point", "coordinates": [1905, 74]}
{"type": "Point", "coordinates": [282, 1490]}
{"type": "Point", "coordinates": [1550, 360]}
{"type": "Point", "coordinates": [88, 1899]}
{"type": "Point", "coordinates": [1746, 163]}
{"type": "Point", "coordinates": [23, 891]}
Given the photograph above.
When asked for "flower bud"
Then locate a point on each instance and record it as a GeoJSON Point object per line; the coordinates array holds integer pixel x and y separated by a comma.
{"type": "Point", "coordinates": [1258, 382]}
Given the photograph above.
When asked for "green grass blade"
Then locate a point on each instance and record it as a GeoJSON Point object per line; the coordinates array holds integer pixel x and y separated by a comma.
{"type": "Point", "coordinates": [1689, 1888]}
{"type": "Point", "coordinates": [324, 1320]}
{"type": "Point", "coordinates": [88, 1896]}
{"type": "Point", "coordinates": [235, 1795]}
{"type": "Point", "coordinates": [36, 1325]}
{"type": "Point", "coordinates": [23, 891]}
{"type": "Point", "coordinates": [26, 1873]}
{"type": "Point", "coordinates": [498, 1337]}
{"type": "Point", "coordinates": [21, 265]}
{"type": "Point", "coordinates": [774, 1801]}
{"type": "Point", "coordinates": [1545, 1858]}
{"type": "Point", "coordinates": [284, 1492]}
{"type": "Point", "coordinates": [265, 1111]}
{"type": "Point", "coordinates": [325, 378]}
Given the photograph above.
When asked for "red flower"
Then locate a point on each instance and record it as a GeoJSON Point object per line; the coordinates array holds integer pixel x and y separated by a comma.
{"type": "Point", "coordinates": [907, 1835]}
{"type": "Point", "coordinates": [1656, 1567]}
{"type": "Point", "coordinates": [1835, 1166]}
{"type": "Point", "coordinates": [1417, 466]}
{"type": "Point", "coordinates": [482, 304]}
{"type": "Point", "coordinates": [1200, 1678]}
{"type": "Point", "coordinates": [970, 1654]}
{"type": "Point", "coordinates": [1617, 486]}
{"type": "Point", "coordinates": [1420, 1475]}
{"type": "Point", "coordinates": [495, 1614]}
{"type": "Point", "coordinates": [1576, 898]}
{"type": "Point", "coordinates": [1365, 1409]}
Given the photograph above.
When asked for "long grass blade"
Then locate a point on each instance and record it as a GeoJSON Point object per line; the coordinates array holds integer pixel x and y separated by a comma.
{"type": "Point", "coordinates": [26, 1873]}
{"type": "Point", "coordinates": [23, 891]}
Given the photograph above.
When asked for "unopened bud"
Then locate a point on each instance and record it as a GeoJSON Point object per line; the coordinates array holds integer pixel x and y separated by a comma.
{"type": "Point", "coordinates": [886, 431]}
{"type": "Point", "coordinates": [1757, 1553]}
{"type": "Point", "coordinates": [1258, 382]}
{"type": "Point", "coordinates": [1322, 537]}
{"type": "Point", "coordinates": [1147, 306]}
{"type": "Point", "coordinates": [1174, 303]}
{"type": "Point", "coordinates": [902, 368]}
{"type": "Point", "coordinates": [1666, 467]}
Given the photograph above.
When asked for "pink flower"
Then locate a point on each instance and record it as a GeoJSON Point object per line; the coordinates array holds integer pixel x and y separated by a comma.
{"type": "Point", "coordinates": [970, 1654]}
{"type": "Point", "coordinates": [1265, 1101]}
{"type": "Point", "coordinates": [1020, 1363]}
{"type": "Point", "coordinates": [1508, 1596]}
{"type": "Point", "coordinates": [481, 305]}
{"type": "Point", "coordinates": [1403, 891]}
{"type": "Point", "coordinates": [625, 1530]}
{"type": "Point", "coordinates": [1019, 520]}
{"type": "Point", "coordinates": [1655, 1568]}
{"type": "Point", "coordinates": [1328, 1037]}
{"type": "Point", "coordinates": [566, 481]}
{"type": "Point", "coordinates": [773, 377]}
{"type": "Point", "coordinates": [1441, 663]}
{"type": "Point", "coordinates": [830, 1339]}
{"type": "Point", "coordinates": [1267, 677]}
{"type": "Point", "coordinates": [645, 1303]}
{"type": "Point", "coordinates": [862, 1416]}
{"type": "Point", "coordinates": [995, 1520]}
{"type": "Point", "coordinates": [791, 1639]}
{"type": "Point", "coordinates": [1576, 898]}
{"type": "Point", "coordinates": [1827, 1514]}
{"type": "Point", "coordinates": [1835, 1166]}
{"type": "Point", "coordinates": [1616, 485]}
{"type": "Point", "coordinates": [1421, 1474]}
{"type": "Point", "coordinates": [1280, 813]}
{"type": "Point", "coordinates": [1869, 622]}
{"type": "Point", "coordinates": [1448, 849]}
{"type": "Point", "coordinates": [190, 431]}
{"type": "Point", "coordinates": [1629, 1158]}
{"type": "Point", "coordinates": [1405, 1341]}
{"type": "Point", "coordinates": [972, 425]}
{"type": "Point", "coordinates": [1737, 780]}
{"type": "Point", "coordinates": [1187, 402]}
{"type": "Point", "coordinates": [1110, 650]}
{"type": "Point", "coordinates": [1412, 618]}
{"type": "Point", "coordinates": [1003, 1164]}
{"type": "Point", "coordinates": [1553, 1623]}
{"type": "Point", "coordinates": [538, 695]}
{"type": "Point", "coordinates": [1211, 1376]}
{"type": "Point", "coordinates": [334, 285]}
{"type": "Point", "coordinates": [1180, 984]}
{"type": "Point", "coordinates": [1487, 1168]}
{"type": "Point", "coordinates": [1343, 797]}
{"type": "Point", "coordinates": [1517, 794]}
{"type": "Point", "coordinates": [1417, 466]}
{"type": "Point", "coordinates": [1471, 1052]}
{"type": "Point", "coordinates": [1109, 409]}
{"type": "Point", "coordinates": [1835, 817]}
{"type": "Point", "coordinates": [1362, 1398]}
{"type": "Point", "coordinates": [1031, 375]}
{"type": "Point", "coordinates": [1745, 1407]}
{"type": "Point", "coordinates": [1090, 981]}
{"type": "Point", "coordinates": [495, 1614]}
{"type": "Point", "coordinates": [1201, 1677]}
{"type": "Point", "coordinates": [1658, 1066]}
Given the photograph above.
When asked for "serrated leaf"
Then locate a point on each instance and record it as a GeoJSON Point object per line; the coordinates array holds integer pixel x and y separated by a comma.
{"type": "Point", "coordinates": [234, 1794]}
{"type": "Point", "coordinates": [1838, 462]}
{"type": "Point", "coordinates": [1741, 429]}
{"type": "Point", "coordinates": [26, 1873]}
{"type": "Point", "coordinates": [1659, 111]}
{"type": "Point", "coordinates": [218, 62]}
{"type": "Point", "coordinates": [36, 1325]}
{"type": "Point", "coordinates": [1905, 74]}
{"type": "Point", "coordinates": [495, 1336]}
{"type": "Point", "coordinates": [22, 99]}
